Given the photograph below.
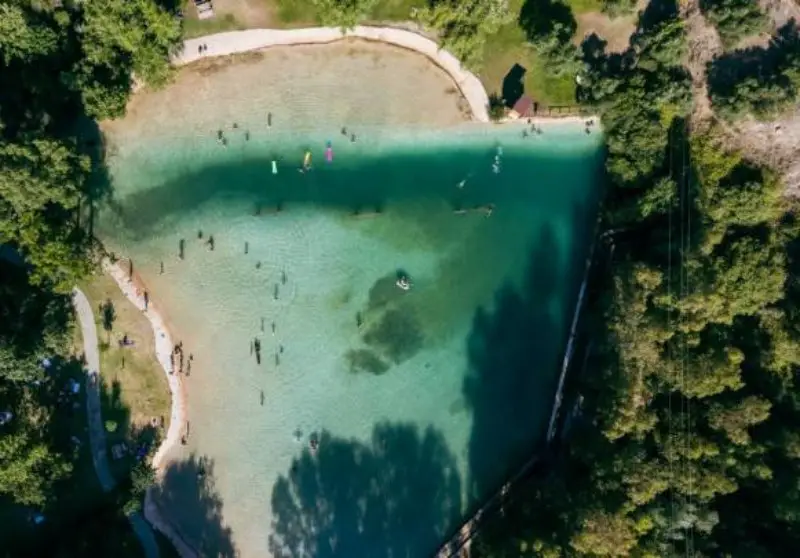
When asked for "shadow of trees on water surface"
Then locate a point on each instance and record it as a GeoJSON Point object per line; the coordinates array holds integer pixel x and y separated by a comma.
{"type": "Point", "coordinates": [396, 496]}
{"type": "Point", "coordinates": [400, 494]}
{"type": "Point", "coordinates": [187, 495]}
{"type": "Point", "coordinates": [514, 353]}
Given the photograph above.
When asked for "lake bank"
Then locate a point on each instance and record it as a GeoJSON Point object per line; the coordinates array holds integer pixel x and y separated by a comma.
{"type": "Point", "coordinates": [304, 264]}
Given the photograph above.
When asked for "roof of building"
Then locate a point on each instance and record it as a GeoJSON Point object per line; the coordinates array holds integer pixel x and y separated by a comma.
{"type": "Point", "coordinates": [523, 106]}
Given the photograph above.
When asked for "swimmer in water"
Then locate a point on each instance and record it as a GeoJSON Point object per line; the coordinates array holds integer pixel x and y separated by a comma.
{"type": "Point", "coordinates": [462, 183]}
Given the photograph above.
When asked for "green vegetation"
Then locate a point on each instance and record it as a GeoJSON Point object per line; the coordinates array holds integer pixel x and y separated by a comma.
{"type": "Point", "coordinates": [617, 8]}
{"type": "Point", "coordinates": [734, 19]}
{"type": "Point", "coordinates": [549, 26]}
{"type": "Point", "coordinates": [62, 65]}
{"type": "Point", "coordinates": [343, 13]}
{"type": "Point", "coordinates": [685, 441]}
{"type": "Point", "coordinates": [464, 25]}
{"type": "Point", "coordinates": [198, 27]}
{"type": "Point", "coordinates": [762, 82]}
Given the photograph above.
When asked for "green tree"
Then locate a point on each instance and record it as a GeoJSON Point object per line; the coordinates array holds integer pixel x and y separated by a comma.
{"type": "Point", "coordinates": [28, 469]}
{"type": "Point", "coordinates": [343, 13]}
{"type": "Point", "coordinates": [120, 40]}
{"type": "Point", "coordinates": [734, 19]}
{"type": "Point", "coordinates": [22, 38]}
{"type": "Point", "coordinates": [464, 25]}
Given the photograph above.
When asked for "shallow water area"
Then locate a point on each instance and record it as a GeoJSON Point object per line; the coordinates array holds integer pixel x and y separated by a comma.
{"type": "Point", "coordinates": [333, 413]}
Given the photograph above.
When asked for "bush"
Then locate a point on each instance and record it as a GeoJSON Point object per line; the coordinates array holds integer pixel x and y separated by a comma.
{"type": "Point", "coordinates": [464, 25]}
{"type": "Point", "coordinates": [734, 19]}
{"type": "Point", "coordinates": [343, 13]}
{"type": "Point", "coordinates": [497, 108]}
{"type": "Point", "coordinates": [618, 8]}
{"type": "Point", "coordinates": [111, 426]}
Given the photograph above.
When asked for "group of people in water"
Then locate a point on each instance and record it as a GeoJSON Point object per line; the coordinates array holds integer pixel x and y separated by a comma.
{"type": "Point", "coordinates": [177, 355]}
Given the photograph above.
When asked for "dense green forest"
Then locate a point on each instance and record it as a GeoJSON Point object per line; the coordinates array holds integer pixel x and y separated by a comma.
{"type": "Point", "coordinates": [686, 441]}
{"type": "Point", "coordinates": [62, 65]}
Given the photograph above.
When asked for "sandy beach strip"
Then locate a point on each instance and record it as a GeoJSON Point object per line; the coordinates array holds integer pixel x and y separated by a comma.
{"type": "Point", "coordinates": [224, 44]}
{"type": "Point", "coordinates": [134, 290]}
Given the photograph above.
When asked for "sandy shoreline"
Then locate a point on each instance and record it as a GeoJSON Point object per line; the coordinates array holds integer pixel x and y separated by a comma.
{"type": "Point", "coordinates": [224, 44]}
{"type": "Point", "coordinates": [134, 291]}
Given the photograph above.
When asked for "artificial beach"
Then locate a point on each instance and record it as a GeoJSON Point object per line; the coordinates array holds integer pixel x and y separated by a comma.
{"type": "Point", "coordinates": [175, 179]}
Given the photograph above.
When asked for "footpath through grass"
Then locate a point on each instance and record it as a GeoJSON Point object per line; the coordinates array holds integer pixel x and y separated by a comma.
{"type": "Point", "coordinates": [135, 397]}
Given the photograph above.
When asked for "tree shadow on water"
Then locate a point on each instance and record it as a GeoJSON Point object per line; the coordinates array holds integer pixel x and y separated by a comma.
{"type": "Point", "coordinates": [396, 496]}
{"type": "Point", "coordinates": [513, 357]}
{"type": "Point", "coordinates": [188, 496]}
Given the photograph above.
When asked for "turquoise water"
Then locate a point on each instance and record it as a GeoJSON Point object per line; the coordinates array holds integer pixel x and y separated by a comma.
{"type": "Point", "coordinates": [421, 401]}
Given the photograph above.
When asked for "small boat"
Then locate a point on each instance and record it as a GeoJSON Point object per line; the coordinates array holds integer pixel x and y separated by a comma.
{"type": "Point", "coordinates": [403, 282]}
{"type": "Point", "coordinates": [274, 167]}
{"type": "Point", "coordinates": [329, 153]}
{"type": "Point", "coordinates": [307, 160]}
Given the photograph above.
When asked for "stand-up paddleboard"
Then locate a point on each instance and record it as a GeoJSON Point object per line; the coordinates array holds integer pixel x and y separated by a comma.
{"type": "Point", "coordinates": [274, 167]}
{"type": "Point", "coordinates": [307, 160]}
{"type": "Point", "coordinates": [329, 152]}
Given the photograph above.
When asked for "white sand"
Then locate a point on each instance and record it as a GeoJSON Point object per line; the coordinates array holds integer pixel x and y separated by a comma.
{"type": "Point", "coordinates": [224, 44]}
{"type": "Point", "coordinates": [163, 347]}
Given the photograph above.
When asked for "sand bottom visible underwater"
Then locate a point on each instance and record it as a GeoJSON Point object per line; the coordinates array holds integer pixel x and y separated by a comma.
{"type": "Point", "coordinates": [333, 413]}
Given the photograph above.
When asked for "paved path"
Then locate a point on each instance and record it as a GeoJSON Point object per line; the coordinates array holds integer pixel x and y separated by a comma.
{"type": "Point", "coordinates": [97, 434]}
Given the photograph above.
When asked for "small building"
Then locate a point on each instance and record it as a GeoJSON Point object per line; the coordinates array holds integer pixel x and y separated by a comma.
{"type": "Point", "coordinates": [523, 108]}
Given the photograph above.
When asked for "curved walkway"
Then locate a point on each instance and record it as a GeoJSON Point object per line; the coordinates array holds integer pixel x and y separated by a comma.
{"type": "Point", "coordinates": [224, 44]}
{"type": "Point", "coordinates": [97, 434]}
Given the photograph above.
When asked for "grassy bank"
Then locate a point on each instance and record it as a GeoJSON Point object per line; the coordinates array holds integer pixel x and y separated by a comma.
{"type": "Point", "coordinates": [136, 398]}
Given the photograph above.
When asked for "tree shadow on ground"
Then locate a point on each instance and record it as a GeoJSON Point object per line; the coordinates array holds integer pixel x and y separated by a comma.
{"type": "Point", "coordinates": [655, 13]}
{"type": "Point", "coordinates": [398, 495]}
{"type": "Point", "coordinates": [108, 316]}
{"type": "Point", "coordinates": [513, 85]}
{"type": "Point", "coordinates": [539, 17]}
{"type": "Point", "coordinates": [187, 492]}
{"type": "Point", "coordinates": [514, 351]}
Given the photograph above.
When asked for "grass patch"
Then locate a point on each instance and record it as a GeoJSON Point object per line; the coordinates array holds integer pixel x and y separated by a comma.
{"type": "Point", "coordinates": [584, 6]}
{"type": "Point", "coordinates": [295, 13]}
{"type": "Point", "coordinates": [193, 27]}
{"type": "Point", "coordinates": [396, 10]}
{"type": "Point", "coordinates": [134, 389]}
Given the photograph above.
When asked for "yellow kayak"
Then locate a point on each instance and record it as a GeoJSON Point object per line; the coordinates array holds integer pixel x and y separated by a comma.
{"type": "Point", "coordinates": [307, 159]}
